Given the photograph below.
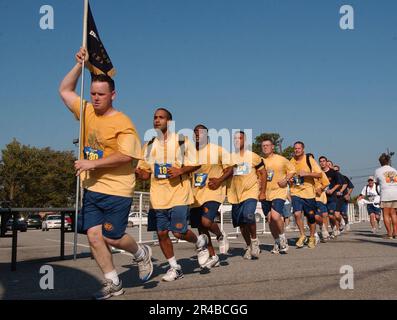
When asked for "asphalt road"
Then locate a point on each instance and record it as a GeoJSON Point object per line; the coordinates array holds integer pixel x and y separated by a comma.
{"type": "Point", "coordinates": [301, 274]}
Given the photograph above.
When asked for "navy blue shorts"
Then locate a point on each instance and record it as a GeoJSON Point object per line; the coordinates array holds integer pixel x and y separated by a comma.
{"type": "Point", "coordinates": [107, 210]}
{"type": "Point", "coordinates": [277, 205]}
{"type": "Point", "coordinates": [343, 208]}
{"type": "Point", "coordinates": [372, 209]}
{"type": "Point", "coordinates": [341, 205]}
{"type": "Point", "coordinates": [321, 208]}
{"type": "Point", "coordinates": [244, 212]}
{"type": "Point", "coordinates": [331, 206]}
{"type": "Point", "coordinates": [208, 210]}
{"type": "Point", "coordinates": [307, 206]}
{"type": "Point", "coordinates": [174, 219]}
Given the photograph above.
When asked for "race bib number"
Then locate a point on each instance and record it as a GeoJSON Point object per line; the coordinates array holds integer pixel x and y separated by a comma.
{"type": "Point", "coordinates": [270, 175]}
{"type": "Point", "coordinates": [242, 169]}
{"type": "Point", "coordinates": [200, 179]}
{"type": "Point", "coordinates": [161, 170]}
{"type": "Point", "coordinates": [298, 181]}
{"type": "Point", "coordinates": [92, 154]}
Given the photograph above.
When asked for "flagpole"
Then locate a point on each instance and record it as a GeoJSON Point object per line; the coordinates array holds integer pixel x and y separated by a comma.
{"type": "Point", "coordinates": [78, 196]}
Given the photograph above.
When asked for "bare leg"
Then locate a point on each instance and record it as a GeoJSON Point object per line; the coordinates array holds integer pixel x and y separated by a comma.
{"type": "Point", "coordinates": [387, 220]}
{"type": "Point", "coordinates": [246, 234]}
{"type": "Point", "coordinates": [299, 222]}
{"type": "Point", "coordinates": [100, 249]}
{"type": "Point", "coordinates": [126, 243]}
{"type": "Point", "coordinates": [165, 244]}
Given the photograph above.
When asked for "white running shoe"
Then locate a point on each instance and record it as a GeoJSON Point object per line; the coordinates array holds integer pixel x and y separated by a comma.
{"type": "Point", "coordinates": [316, 238]}
{"type": "Point", "coordinates": [212, 262]}
{"type": "Point", "coordinates": [348, 227]}
{"type": "Point", "coordinates": [173, 274]}
{"type": "Point", "coordinates": [202, 251]}
{"type": "Point", "coordinates": [202, 256]}
{"type": "Point", "coordinates": [255, 250]}
{"type": "Point", "coordinates": [374, 231]}
{"type": "Point", "coordinates": [247, 254]}
{"type": "Point", "coordinates": [202, 241]}
{"type": "Point", "coordinates": [283, 245]}
{"type": "Point", "coordinates": [145, 265]}
{"type": "Point", "coordinates": [223, 243]}
{"type": "Point", "coordinates": [276, 248]}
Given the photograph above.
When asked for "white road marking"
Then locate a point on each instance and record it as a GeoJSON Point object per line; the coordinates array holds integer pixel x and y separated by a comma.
{"type": "Point", "coordinates": [85, 246]}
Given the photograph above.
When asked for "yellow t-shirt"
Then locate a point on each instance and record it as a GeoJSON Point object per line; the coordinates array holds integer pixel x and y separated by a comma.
{"type": "Point", "coordinates": [277, 169]}
{"type": "Point", "coordinates": [322, 183]}
{"type": "Point", "coordinates": [166, 193]}
{"type": "Point", "coordinates": [213, 159]}
{"type": "Point", "coordinates": [103, 136]}
{"type": "Point", "coordinates": [307, 189]}
{"type": "Point", "coordinates": [244, 184]}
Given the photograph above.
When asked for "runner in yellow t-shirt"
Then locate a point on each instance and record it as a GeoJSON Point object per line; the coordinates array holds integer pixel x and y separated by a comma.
{"type": "Point", "coordinates": [303, 194]}
{"type": "Point", "coordinates": [321, 204]}
{"type": "Point", "coordinates": [209, 189]}
{"type": "Point", "coordinates": [244, 192]}
{"type": "Point", "coordinates": [110, 144]}
{"type": "Point", "coordinates": [279, 172]}
{"type": "Point", "coordinates": [169, 159]}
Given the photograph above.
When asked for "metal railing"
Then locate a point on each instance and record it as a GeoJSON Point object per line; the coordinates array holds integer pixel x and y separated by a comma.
{"type": "Point", "coordinates": [15, 212]}
{"type": "Point", "coordinates": [141, 204]}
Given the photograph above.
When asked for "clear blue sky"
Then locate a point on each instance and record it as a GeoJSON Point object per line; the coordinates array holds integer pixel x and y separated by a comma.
{"type": "Point", "coordinates": [271, 65]}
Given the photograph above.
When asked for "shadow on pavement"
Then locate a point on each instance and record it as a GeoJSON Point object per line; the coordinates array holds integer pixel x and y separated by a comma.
{"type": "Point", "coordinates": [24, 284]}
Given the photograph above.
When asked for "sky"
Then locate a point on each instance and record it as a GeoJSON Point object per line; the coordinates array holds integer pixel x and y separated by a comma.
{"type": "Point", "coordinates": [280, 66]}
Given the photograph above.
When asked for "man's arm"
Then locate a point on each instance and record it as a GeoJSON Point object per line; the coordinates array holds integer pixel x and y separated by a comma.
{"type": "Point", "coordinates": [176, 172]}
{"type": "Point", "coordinates": [215, 183]}
{"type": "Point", "coordinates": [262, 173]}
{"type": "Point", "coordinates": [114, 160]}
{"type": "Point", "coordinates": [68, 85]}
{"type": "Point", "coordinates": [342, 189]}
{"type": "Point", "coordinates": [331, 191]}
{"type": "Point", "coordinates": [315, 175]}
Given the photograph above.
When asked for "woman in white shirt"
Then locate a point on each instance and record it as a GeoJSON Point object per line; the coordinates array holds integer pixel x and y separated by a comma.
{"type": "Point", "coordinates": [386, 177]}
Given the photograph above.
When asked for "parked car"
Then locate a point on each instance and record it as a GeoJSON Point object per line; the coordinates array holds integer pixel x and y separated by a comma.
{"type": "Point", "coordinates": [133, 219]}
{"type": "Point", "coordinates": [21, 225]}
{"type": "Point", "coordinates": [54, 222]}
{"type": "Point", "coordinates": [34, 221]}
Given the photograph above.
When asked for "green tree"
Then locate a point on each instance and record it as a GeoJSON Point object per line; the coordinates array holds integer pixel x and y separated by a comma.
{"type": "Point", "coordinates": [288, 152]}
{"type": "Point", "coordinates": [34, 177]}
{"type": "Point", "coordinates": [277, 140]}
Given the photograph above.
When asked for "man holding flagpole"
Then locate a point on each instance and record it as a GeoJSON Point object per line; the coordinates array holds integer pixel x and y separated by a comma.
{"type": "Point", "coordinates": [110, 144]}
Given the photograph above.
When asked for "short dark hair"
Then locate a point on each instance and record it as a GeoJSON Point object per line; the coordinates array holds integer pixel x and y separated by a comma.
{"type": "Point", "coordinates": [323, 157]}
{"type": "Point", "coordinates": [384, 159]}
{"type": "Point", "coordinates": [103, 78]}
{"type": "Point", "coordinates": [240, 132]}
{"type": "Point", "coordinates": [200, 126]}
{"type": "Point", "coordinates": [169, 114]}
{"type": "Point", "coordinates": [330, 161]}
{"type": "Point", "coordinates": [301, 143]}
{"type": "Point", "coordinates": [268, 139]}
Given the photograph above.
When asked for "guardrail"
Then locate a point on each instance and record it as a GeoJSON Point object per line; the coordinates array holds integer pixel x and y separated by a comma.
{"type": "Point", "coordinates": [14, 212]}
{"type": "Point", "coordinates": [141, 203]}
